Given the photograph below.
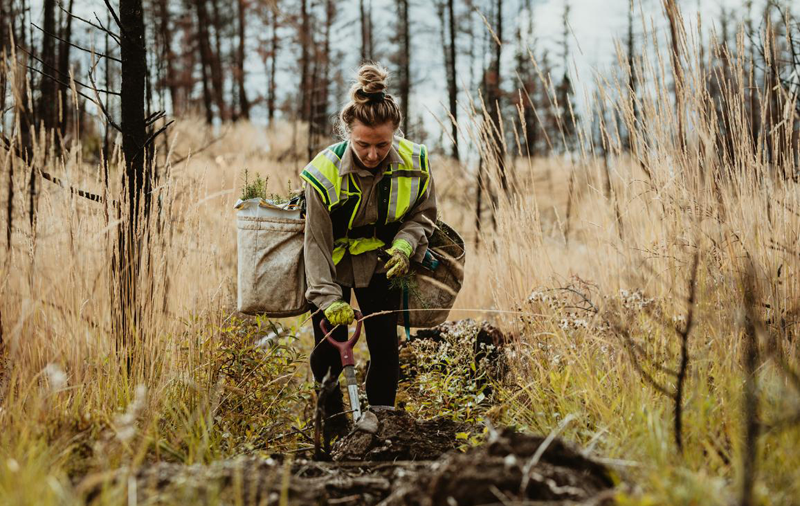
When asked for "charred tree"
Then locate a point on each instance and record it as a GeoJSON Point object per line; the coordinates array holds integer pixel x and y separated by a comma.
{"type": "Point", "coordinates": [63, 69]}
{"type": "Point", "coordinates": [165, 30]}
{"type": "Point", "coordinates": [452, 88]}
{"type": "Point", "coordinates": [566, 119]}
{"type": "Point", "coordinates": [306, 39]}
{"type": "Point", "coordinates": [676, 36]}
{"type": "Point", "coordinates": [526, 98]}
{"type": "Point", "coordinates": [5, 44]}
{"type": "Point", "coordinates": [493, 96]}
{"type": "Point", "coordinates": [404, 59]}
{"type": "Point", "coordinates": [204, 46]}
{"type": "Point", "coordinates": [631, 43]}
{"type": "Point", "coordinates": [320, 81]}
{"type": "Point", "coordinates": [217, 78]}
{"type": "Point", "coordinates": [136, 179]}
{"type": "Point", "coordinates": [273, 55]}
{"type": "Point", "coordinates": [48, 101]}
{"type": "Point", "coordinates": [244, 104]}
{"type": "Point", "coordinates": [366, 29]}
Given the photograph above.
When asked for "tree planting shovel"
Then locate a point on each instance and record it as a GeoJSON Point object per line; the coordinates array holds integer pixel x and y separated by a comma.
{"type": "Point", "coordinates": [348, 362]}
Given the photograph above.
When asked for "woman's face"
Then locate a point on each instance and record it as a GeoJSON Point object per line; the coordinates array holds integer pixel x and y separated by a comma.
{"type": "Point", "coordinates": [371, 144]}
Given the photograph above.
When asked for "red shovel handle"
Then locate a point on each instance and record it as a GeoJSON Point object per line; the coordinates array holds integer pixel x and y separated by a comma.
{"type": "Point", "coordinates": [346, 347]}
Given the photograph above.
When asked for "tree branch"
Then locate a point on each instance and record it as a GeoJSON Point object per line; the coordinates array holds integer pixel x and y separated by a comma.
{"type": "Point", "coordinates": [62, 73]}
{"type": "Point", "coordinates": [87, 97]}
{"type": "Point", "coordinates": [102, 106]}
{"type": "Point", "coordinates": [91, 51]}
{"type": "Point", "coordinates": [101, 27]}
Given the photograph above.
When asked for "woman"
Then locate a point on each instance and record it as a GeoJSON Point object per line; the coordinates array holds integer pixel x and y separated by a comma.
{"type": "Point", "coordinates": [371, 194]}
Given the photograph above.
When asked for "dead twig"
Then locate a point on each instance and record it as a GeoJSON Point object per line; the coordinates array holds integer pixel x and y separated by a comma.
{"type": "Point", "coordinates": [91, 51]}
{"type": "Point", "coordinates": [101, 27]}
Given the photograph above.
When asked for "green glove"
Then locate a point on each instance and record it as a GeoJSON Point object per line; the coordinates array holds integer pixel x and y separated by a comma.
{"type": "Point", "coordinates": [399, 264]}
{"type": "Point", "coordinates": [340, 313]}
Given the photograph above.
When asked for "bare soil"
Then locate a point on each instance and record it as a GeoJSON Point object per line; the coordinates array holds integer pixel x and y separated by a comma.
{"type": "Point", "coordinates": [405, 462]}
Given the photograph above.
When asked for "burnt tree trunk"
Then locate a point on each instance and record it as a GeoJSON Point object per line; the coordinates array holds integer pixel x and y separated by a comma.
{"type": "Point", "coordinates": [452, 89]}
{"type": "Point", "coordinates": [204, 46]}
{"type": "Point", "coordinates": [217, 78]}
{"type": "Point", "coordinates": [404, 59]}
{"type": "Point", "coordinates": [48, 102]}
{"type": "Point", "coordinates": [306, 40]}
{"type": "Point", "coordinates": [493, 96]}
{"type": "Point", "coordinates": [366, 30]}
{"type": "Point", "coordinates": [244, 105]}
{"type": "Point", "coordinates": [5, 43]}
{"type": "Point", "coordinates": [631, 78]}
{"type": "Point", "coordinates": [168, 55]}
{"type": "Point", "coordinates": [136, 181]}
{"type": "Point", "coordinates": [63, 68]}
{"type": "Point", "coordinates": [273, 54]}
{"type": "Point", "coordinates": [675, 34]}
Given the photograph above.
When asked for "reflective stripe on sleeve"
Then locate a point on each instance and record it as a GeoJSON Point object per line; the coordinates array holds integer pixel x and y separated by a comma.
{"type": "Point", "coordinates": [330, 189]}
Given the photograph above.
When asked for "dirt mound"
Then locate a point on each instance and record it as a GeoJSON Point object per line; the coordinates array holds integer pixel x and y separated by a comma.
{"type": "Point", "coordinates": [509, 469]}
{"type": "Point", "coordinates": [398, 436]}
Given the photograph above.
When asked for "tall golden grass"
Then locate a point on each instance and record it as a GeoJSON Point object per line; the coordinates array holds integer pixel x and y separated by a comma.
{"type": "Point", "coordinates": [601, 224]}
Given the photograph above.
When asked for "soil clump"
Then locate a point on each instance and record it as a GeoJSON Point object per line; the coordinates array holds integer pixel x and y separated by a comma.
{"type": "Point", "coordinates": [399, 437]}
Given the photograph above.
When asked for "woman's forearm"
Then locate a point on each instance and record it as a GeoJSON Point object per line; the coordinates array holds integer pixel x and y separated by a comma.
{"type": "Point", "coordinates": [318, 247]}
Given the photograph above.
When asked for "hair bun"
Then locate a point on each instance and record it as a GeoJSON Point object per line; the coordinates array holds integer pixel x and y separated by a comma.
{"type": "Point", "coordinates": [370, 102]}
{"type": "Point", "coordinates": [371, 82]}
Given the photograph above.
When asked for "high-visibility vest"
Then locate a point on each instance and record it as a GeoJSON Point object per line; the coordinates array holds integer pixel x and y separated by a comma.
{"type": "Point", "coordinates": [403, 184]}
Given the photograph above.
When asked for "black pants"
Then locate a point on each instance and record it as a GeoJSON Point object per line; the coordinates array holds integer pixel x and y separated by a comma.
{"type": "Point", "coordinates": [381, 333]}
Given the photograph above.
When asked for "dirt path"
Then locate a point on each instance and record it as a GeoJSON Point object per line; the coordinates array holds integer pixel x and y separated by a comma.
{"type": "Point", "coordinates": [404, 462]}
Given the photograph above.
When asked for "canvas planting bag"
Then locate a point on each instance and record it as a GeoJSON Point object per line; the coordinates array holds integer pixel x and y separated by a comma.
{"type": "Point", "coordinates": [272, 277]}
{"type": "Point", "coordinates": [435, 283]}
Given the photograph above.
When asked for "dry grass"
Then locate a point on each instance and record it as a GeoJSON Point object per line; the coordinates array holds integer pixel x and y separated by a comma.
{"type": "Point", "coordinates": [69, 409]}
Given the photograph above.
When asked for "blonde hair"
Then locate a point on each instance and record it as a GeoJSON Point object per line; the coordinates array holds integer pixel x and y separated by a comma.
{"type": "Point", "coordinates": [369, 102]}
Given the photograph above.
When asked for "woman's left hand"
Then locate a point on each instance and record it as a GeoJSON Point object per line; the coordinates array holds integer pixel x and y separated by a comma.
{"type": "Point", "coordinates": [399, 263]}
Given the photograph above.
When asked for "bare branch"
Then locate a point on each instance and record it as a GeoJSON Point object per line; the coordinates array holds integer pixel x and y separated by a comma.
{"type": "Point", "coordinates": [154, 117]}
{"type": "Point", "coordinates": [102, 106]}
{"type": "Point", "coordinates": [53, 179]}
{"type": "Point", "coordinates": [153, 136]}
{"type": "Point", "coordinates": [61, 73]}
{"type": "Point", "coordinates": [87, 97]}
{"type": "Point", "coordinates": [114, 15]}
{"type": "Point", "coordinates": [91, 51]}
{"type": "Point", "coordinates": [101, 27]}
{"type": "Point", "coordinates": [684, 364]}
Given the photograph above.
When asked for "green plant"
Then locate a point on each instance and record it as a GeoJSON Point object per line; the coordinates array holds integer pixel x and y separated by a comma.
{"type": "Point", "coordinates": [256, 189]}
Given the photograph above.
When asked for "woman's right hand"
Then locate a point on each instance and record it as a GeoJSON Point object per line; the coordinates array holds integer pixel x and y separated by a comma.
{"type": "Point", "coordinates": [340, 313]}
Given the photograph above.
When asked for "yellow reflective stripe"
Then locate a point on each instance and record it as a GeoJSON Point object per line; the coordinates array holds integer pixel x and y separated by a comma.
{"type": "Point", "coordinates": [338, 253]}
{"type": "Point", "coordinates": [405, 149]}
{"type": "Point", "coordinates": [361, 245]}
{"type": "Point", "coordinates": [356, 246]}
{"type": "Point", "coordinates": [324, 168]}
{"type": "Point", "coordinates": [358, 200]}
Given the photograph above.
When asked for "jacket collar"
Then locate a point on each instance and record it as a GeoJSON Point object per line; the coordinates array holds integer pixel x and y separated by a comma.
{"type": "Point", "coordinates": [349, 164]}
